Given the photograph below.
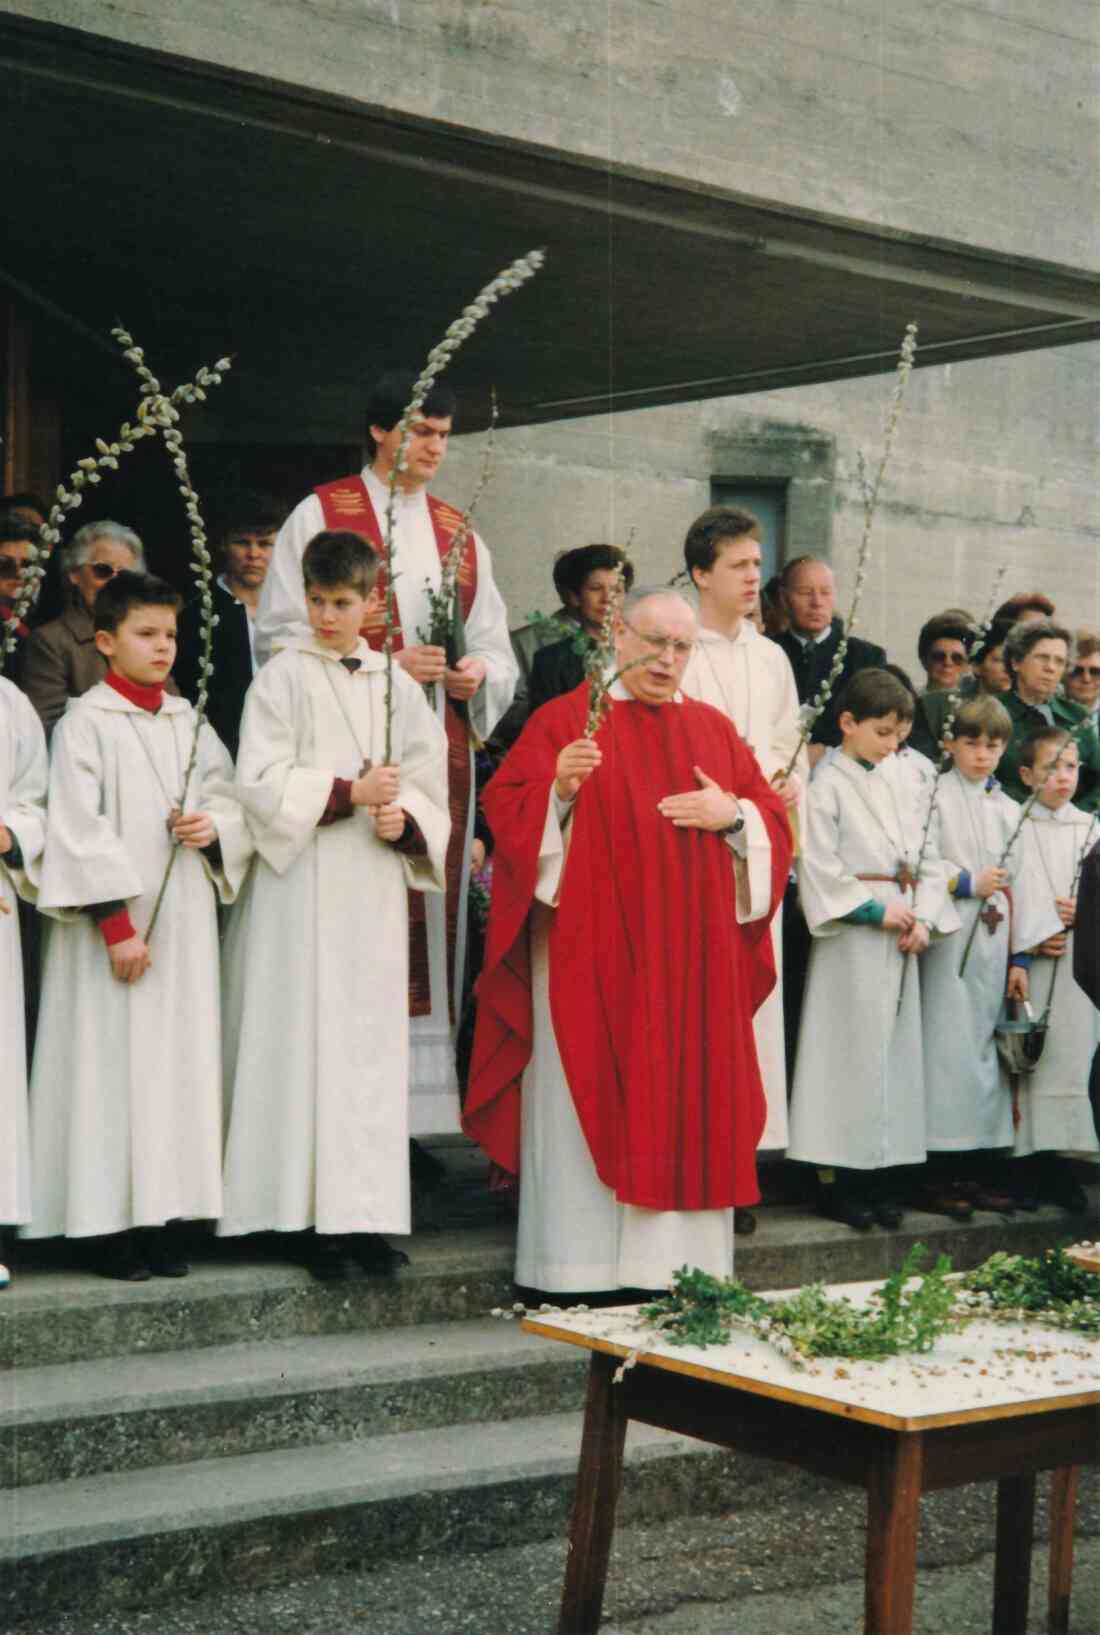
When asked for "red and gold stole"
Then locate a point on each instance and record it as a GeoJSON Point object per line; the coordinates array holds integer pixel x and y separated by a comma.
{"type": "Point", "coordinates": [347, 504]}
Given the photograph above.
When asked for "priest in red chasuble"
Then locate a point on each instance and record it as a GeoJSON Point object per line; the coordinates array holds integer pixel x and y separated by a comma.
{"type": "Point", "coordinates": [475, 691]}
{"type": "Point", "coordinates": [614, 1065]}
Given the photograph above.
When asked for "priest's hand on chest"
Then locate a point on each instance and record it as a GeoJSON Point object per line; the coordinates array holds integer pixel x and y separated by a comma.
{"type": "Point", "coordinates": [708, 807]}
{"type": "Point", "coordinates": [576, 762]}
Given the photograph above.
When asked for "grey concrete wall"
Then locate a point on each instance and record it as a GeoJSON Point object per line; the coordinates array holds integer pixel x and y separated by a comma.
{"type": "Point", "coordinates": [995, 462]}
{"type": "Point", "coordinates": [972, 120]}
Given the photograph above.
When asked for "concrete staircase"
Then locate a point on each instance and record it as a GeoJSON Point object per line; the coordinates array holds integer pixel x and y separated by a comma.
{"type": "Point", "coordinates": [247, 1425]}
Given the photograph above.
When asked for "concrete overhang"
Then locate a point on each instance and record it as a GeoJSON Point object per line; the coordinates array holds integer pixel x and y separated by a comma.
{"type": "Point", "coordinates": [320, 239]}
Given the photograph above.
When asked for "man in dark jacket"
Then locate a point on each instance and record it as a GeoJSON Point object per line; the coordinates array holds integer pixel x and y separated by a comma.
{"type": "Point", "coordinates": [812, 640]}
{"type": "Point", "coordinates": [248, 525]}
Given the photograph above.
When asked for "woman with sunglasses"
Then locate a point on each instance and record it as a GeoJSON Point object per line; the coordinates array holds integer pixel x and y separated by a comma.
{"type": "Point", "coordinates": [60, 658]}
{"type": "Point", "coordinates": [1082, 683]}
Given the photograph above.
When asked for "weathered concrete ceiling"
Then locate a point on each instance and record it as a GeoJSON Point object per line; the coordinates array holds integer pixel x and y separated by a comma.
{"type": "Point", "coordinates": [320, 240]}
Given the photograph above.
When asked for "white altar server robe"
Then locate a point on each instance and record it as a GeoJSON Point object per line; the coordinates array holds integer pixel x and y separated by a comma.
{"type": "Point", "coordinates": [968, 1101]}
{"type": "Point", "coordinates": [24, 771]}
{"type": "Point", "coordinates": [750, 679]}
{"type": "Point", "coordinates": [126, 1084]}
{"type": "Point", "coordinates": [433, 1107]}
{"type": "Point", "coordinates": [1055, 1114]}
{"type": "Point", "coordinates": [316, 958]}
{"type": "Point", "coordinates": [858, 1096]}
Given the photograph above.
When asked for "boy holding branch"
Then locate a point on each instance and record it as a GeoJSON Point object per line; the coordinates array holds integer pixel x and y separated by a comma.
{"type": "Point", "coordinates": [1054, 1118]}
{"type": "Point", "coordinates": [858, 1098]}
{"type": "Point", "coordinates": [126, 1087]}
{"type": "Point", "coordinates": [316, 961]}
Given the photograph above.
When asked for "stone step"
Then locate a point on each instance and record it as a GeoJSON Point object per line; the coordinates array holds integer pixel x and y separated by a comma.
{"type": "Point", "coordinates": [52, 1315]}
{"type": "Point", "coordinates": [131, 1539]}
{"type": "Point", "coordinates": [76, 1420]}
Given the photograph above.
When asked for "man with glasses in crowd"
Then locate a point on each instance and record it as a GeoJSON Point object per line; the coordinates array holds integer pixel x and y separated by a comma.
{"type": "Point", "coordinates": [60, 658]}
{"type": "Point", "coordinates": [614, 1063]}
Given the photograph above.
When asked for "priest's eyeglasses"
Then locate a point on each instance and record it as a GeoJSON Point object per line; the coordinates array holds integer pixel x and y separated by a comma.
{"type": "Point", "coordinates": [659, 644]}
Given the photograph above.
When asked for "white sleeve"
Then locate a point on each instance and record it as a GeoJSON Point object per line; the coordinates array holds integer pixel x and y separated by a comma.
{"type": "Point", "coordinates": [24, 807]}
{"type": "Point", "coordinates": [487, 638]}
{"type": "Point", "coordinates": [752, 866]}
{"type": "Point", "coordinates": [283, 800]}
{"type": "Point", "coordinates": [282, 609]}
{"type": "Point", "coordinates": [85, 860]}
{"type": "Point", "coordinates": [422, 754]}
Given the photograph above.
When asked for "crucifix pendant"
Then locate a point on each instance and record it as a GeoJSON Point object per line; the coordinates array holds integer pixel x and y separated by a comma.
{"type": "Point", "coordinates": [991, 916]}
{"type": "Point", "coordinates": [905, 876]}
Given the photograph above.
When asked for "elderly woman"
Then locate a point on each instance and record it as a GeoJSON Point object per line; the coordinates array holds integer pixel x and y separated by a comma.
{"type": "Point", "coordinates": [1082, 683]}
{"type": "Point", "coordinates": [60, 659]}
{"type": "Point", "coordinates": [1036, 655]}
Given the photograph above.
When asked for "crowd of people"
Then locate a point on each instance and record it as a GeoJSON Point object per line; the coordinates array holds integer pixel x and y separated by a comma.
{"type": "Point", "coordinates": [717, 934]}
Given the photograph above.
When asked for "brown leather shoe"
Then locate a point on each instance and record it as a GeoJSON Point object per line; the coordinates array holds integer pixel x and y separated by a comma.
{"type": "Point", "coordinates": [943, 1200]}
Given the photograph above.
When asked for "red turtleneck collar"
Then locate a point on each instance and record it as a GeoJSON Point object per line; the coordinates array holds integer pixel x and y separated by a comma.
{"type": "Point", "coordinates": [147, 698]}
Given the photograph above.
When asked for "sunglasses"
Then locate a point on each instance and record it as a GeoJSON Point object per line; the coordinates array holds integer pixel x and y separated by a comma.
{"type": "Point", "coordinates": [1080, 671]}
{"type": "Point", "coordinates": [11, 567]}
{"type": "Point", "coordinates": [101, 571]}
{"type": "Point", "coordinates": [939, 656]}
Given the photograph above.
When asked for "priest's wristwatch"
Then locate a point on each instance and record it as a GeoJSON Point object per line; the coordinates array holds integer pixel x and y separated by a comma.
{"type": "Point", "coordinates": [738, 823]}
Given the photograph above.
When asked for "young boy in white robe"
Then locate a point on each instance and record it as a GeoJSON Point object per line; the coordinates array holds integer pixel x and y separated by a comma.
{"type": "Point", "coordinates": [23, 776]}
{"type": "Point", "coordinates": [858, 1096]}
{"type": "Point", "coordinates": [316, 959]}
{"type": "Point", "coordinates": [969, 1108]}
{"type": "Point", "coordinates": [126, 1084]}
{"type": "Point", "coordinates": [1053, 1113]}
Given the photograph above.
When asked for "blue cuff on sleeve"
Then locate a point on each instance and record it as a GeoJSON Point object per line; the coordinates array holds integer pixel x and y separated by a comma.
{"type": "Point", "coordinates": [964, 885]}
{"type": "Point", "coordinates": [868, 913]}
{"type": "Point", "coordinates": [1021, 960]}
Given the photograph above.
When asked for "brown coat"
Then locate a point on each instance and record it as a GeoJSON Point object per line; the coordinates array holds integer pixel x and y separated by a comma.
{"type": "Point", "coordinates": [61, 661]}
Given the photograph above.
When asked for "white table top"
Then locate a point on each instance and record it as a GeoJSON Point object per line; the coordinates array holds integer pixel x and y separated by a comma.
{"type": "Point", "coordinates": [989, 1370]}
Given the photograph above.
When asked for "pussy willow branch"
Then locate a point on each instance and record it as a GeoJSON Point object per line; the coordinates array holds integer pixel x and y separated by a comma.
{"type": "Point", "coordinates": [158, 414]}
{"type": "Point", "coordinates": [870, 494]}
{"type": "Point", "coordinates": [438, 358]}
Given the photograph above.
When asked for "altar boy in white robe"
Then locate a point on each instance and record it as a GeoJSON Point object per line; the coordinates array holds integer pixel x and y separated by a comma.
{"type": "Point", "coordinates": [126, 1085]}
{"type": "Point", "coordinates": [858, 1097]}
{"type": "Point", "coordinates": [1053, 1114]}
{"type": "Point", "coordinates": [316, 959]}
{"type": "Point", "coordinates": [23, 775]}
{"type": "Point", "coordinates": [969, 1106]}
{"type": "Point", "coordinates": [748, 678]}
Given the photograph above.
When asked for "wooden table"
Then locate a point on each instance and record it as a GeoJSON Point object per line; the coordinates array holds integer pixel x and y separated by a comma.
{"type": "Point", "coordinates": [994, 1402]}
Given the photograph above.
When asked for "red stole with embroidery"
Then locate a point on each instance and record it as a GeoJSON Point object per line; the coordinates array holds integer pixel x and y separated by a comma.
{"type": "Point", "coordinates": [347, 504]}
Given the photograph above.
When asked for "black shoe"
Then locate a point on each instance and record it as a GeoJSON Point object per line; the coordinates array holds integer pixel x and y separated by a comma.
{"type": "Point", "coordinates": [887, 1214]}
{"type": "Point", "coordinates": [744, 1223]}
{"type": "Point", "coordinates": [164, 1255]}
{"type": "Point", "coordinates": [377, 1257]}
{"type": "Point", "coordinates": [329, 1259]}
{"type": "Point", "coordinates": [119, 1256]}
{"type": "Point", "coordinates": [846, 1207]}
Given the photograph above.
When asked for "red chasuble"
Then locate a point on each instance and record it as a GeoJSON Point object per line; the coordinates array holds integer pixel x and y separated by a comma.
{"type": "Point", "coordinates": [653, 984]}
{"type": "Point", "coordinates": [346, 504]}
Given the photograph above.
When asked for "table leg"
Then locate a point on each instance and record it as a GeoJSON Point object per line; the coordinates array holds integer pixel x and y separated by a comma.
{"type": "Point", "coordinates": [1063, 1504]}
{"type": "Point", "coordinates": [893, 1513]}
{"type": "Point", "coordinates": [598, 1479]}
{"type": "Point", "coordinates": [1012, 1564]}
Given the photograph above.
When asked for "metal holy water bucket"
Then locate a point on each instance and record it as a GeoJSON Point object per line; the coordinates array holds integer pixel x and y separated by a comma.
{"type": "Point", "coordinates": [1020, 1038]}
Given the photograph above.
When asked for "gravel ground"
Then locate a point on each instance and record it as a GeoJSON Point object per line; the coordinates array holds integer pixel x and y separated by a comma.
{"type": "Point", "coordinates": [792, 1570]}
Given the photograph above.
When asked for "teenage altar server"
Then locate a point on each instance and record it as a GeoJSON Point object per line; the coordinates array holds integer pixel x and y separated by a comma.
{"type": "Point", "coordinates": [23, 777]}
{"type": "Point", "coordinates": [472, 690]}
{"type": "Point", "coordinates": [316, 960]}
{"type": "Point", "coordinates": [126, 1085]}
{"type": "Point", "coordinates": [749, 679]}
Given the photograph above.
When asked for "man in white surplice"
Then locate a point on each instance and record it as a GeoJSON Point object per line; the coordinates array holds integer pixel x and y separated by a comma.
{"type": "Point", "coordinates": [484, 678]}
{"type": "Point", "coordinates": [749, 679]}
